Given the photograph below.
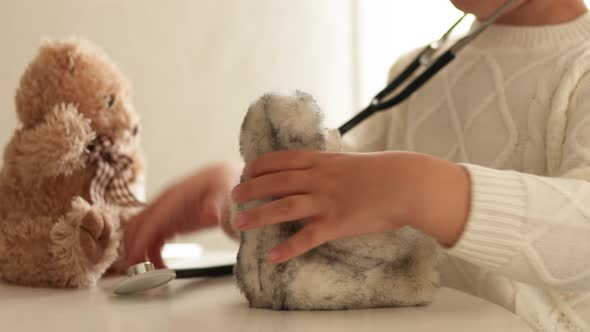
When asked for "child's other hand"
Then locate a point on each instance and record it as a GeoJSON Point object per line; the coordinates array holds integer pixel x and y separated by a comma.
{"type": "Point", "coordinates": [195, 203]}
{"type": "Point", "coordinates": [341, 195]}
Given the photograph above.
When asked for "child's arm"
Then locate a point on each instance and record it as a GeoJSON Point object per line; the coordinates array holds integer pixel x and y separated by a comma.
{"type": "Point", "coordinates": [347, 194]}
{"type": "Point", "coordinates": [537, 229]}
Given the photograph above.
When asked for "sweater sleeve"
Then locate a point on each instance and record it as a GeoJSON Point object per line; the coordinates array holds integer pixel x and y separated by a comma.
{"type": "Point", "coordinates": [532, 228]}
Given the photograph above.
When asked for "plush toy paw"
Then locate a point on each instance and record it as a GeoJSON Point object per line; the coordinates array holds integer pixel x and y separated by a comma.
{"type": "Point", "coordinates": [83, 244]}
{"type": "Point", "coordinates": [95, 234]}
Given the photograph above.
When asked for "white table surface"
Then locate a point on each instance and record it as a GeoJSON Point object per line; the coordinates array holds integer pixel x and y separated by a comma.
{"type": "Point", "coordinates": [216, 305]}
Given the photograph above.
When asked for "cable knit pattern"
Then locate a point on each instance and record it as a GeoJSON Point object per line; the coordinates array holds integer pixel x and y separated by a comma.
{"type": "Point", "coordinates": [514, 110]}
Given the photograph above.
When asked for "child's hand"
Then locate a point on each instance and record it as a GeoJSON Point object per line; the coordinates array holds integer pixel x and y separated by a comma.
{"type": "Point", "coordinates": [196, 203]}
{"type": "Point", "coordinates": [341, 195]}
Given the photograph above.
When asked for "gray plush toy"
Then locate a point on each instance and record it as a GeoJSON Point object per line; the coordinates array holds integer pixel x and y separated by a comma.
{"type": "Point", "coordinates": [377, 270]}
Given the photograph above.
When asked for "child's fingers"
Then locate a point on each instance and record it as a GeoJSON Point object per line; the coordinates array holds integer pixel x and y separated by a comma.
{"type": "Point", "coordinates": [135, 227]}
{"type": "Point", "coordinates": [211, 209]}
{"type": "Point", "coordinates": [279, 161]}
{"type": "Point", "coordinates": [131, 236]}
{"type": "Point", "coordinates": [272, 185]}
{"type": "Point", "coordinates": [306, 239]}
{"type": "Point", "coordinates": [155, 254]}
{"type": "Point", "coordinates": [286, 209]}
{"type": "Point", "coordinates": [154, 225]}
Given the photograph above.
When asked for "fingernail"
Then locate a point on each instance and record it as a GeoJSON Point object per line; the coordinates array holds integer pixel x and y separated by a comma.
{"type": "Point", "coordinates": [274, 256]}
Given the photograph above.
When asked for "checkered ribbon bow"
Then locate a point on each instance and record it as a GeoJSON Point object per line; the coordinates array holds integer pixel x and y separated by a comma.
{"type": "Point", "coordinates": [110, 183]}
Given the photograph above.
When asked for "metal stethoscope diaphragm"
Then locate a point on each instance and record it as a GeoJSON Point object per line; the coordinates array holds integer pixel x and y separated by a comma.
{"type": "Point", "coordinates": [144, 276]}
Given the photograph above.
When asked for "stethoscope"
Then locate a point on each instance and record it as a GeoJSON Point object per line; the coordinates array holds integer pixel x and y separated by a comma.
{"type": "Point", "coordinates": [144, 276]}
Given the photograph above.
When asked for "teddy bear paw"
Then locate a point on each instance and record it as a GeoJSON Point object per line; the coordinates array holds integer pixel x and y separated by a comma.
{"type": "Point", "coordinates": [95, 235]}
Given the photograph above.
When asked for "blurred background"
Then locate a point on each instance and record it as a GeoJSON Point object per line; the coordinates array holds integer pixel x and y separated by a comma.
{"type": "Point", "coordinates": [196, 65]}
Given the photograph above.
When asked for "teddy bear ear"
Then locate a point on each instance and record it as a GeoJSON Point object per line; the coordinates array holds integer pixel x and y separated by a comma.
{"type": "Point", "coordinates": [63, 52]}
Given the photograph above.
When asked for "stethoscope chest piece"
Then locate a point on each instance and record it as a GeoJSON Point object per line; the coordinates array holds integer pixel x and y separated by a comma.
{"type": "Point", "coordinates": [142, 277]}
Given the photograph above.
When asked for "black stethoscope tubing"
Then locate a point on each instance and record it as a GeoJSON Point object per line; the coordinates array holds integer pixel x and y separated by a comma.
{"type": "Point", "coordinates": [379, 103]}
{"type": "Point", "coordinates": [214, 271]}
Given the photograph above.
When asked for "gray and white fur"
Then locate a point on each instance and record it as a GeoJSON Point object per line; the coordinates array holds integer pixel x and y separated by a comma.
{"type": "Point", "coordinates": [377, 270]}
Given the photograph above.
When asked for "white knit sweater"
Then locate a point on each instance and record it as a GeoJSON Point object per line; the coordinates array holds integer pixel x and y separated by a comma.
{"type": "Point", "coordinates": [514, 109]}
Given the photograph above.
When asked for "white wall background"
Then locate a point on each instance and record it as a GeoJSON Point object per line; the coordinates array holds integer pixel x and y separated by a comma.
{"type": "Point", "coordinates": [195, 65]}
{"type": "Point", "coordinates": [387, 29]}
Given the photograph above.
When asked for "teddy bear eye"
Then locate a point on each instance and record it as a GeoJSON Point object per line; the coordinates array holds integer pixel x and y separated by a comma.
{"type": "Point", "coordinates": [110, 101]}
{"type": "Point", "coordinates": [135, 130]}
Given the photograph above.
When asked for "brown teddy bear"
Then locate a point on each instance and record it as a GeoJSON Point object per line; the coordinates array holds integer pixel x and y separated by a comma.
{"type": "Point", "coordinates": [70, 170]}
